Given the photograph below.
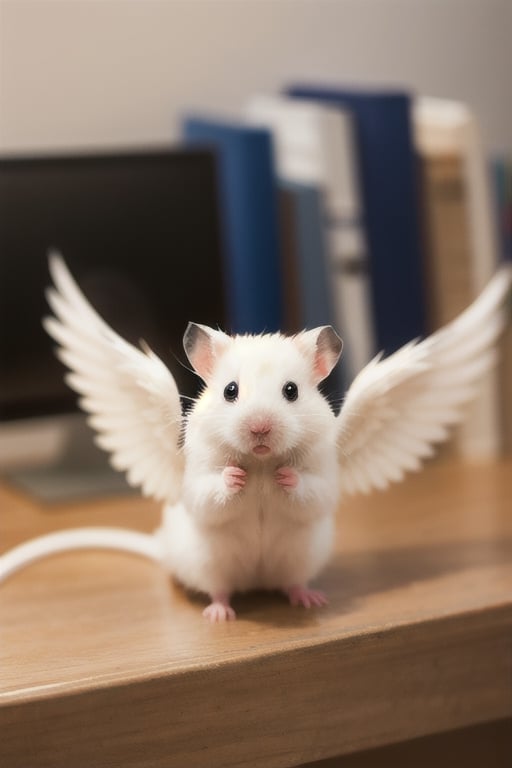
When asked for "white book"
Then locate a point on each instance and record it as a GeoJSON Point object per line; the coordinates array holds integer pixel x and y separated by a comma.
{"type": "Point", "coordinates": [315, 145]}
{"type": "Point", "coordinates": [444, 127]}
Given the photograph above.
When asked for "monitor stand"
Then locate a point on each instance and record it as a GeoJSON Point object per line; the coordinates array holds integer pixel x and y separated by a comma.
{"type": "Point", "coordinates": [62, 461]}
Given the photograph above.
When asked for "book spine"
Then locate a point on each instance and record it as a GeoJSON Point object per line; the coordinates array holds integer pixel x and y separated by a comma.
{"type": "Point", "coordinates": [250, 214]}
{"type": "Point", "coordinates": [448, 272]}
{"type": "Point", "coordinates": [292, 304]}
{"type": "Point", "coordinates": [502, 178]}
{"type": "Point", "coordinates": [389, 179]}
{"type": "Point", "coordinates": [311, 270]}
{"type": "Point", "coordinates": [448, 251]}
{"type": "Point", "coordinates": [481, 433]}
{"type": "Point", "coordinates": [315, 146]}
{"type": "Point", "coordinates": [312, 257]}
{"type": "Point", "coordinates": [446, 128]}
{"type": "Point", "coordinates": [348, 245]}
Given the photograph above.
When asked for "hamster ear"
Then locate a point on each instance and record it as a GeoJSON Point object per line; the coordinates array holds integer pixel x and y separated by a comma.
{"type": "Point", "coordinates": [324, 346]}
{"type": "Point", "coordinates": [203, 346]}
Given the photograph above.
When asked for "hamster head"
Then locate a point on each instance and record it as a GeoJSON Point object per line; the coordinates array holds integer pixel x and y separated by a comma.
{"type": "Point", "coordinates": [261, 396]}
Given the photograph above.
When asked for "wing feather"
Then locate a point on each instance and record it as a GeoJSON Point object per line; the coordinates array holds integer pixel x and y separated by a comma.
{"type": "Point", "coordinates": [130, 395]}
{"type": "Point", "coordinates": [399, 407]}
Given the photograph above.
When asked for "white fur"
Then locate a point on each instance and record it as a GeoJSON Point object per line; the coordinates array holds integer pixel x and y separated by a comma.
{"type": "Point", "coordinates": [263, 535]}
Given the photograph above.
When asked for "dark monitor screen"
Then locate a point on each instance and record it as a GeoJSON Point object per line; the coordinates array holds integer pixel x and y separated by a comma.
{"type": "Point", "coordinates": [139, 232]}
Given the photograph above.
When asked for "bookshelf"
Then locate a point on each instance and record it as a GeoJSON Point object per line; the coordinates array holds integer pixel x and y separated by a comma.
{"type": "Point", "coordinates": [105, 662]}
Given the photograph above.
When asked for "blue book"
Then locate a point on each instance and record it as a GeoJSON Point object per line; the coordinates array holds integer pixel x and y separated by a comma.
{"type": "Point", "coordinates": [501, 172]}
{"type": "Point", "coordinates": [250, 218]}
{"type": "Point", "coordinates": [390, 191]}
{"type": "Point", "coordinates": [315, 290]}
{"type": "Point", "coordinates": [313, 277]}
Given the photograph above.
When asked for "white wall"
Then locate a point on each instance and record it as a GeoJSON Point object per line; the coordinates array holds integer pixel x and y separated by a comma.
{"type": "Point", "coordinates": [79, 73]}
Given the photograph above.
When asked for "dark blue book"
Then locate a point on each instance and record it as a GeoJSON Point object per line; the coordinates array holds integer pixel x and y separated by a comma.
{"type": "Point", "coordinates": [250, 216]}
{"type": "Point", "coordinates": [390, 189]}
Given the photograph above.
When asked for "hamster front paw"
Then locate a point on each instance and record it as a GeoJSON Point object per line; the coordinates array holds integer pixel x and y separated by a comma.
{"type": "Point", "coordinates": [234, 478]}
{"type": "Point", "coordinates": [287, 478]}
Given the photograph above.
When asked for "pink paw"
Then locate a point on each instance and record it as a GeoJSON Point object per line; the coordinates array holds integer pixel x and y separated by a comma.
{"type": "Point", "coordinates": [219, 610]}
{"type": "Point", "coordinates": [234, 478]}
{"type": "Point", "coordinates": [306, 597]}
{"type": "Point", "coordinates": [287, 478]}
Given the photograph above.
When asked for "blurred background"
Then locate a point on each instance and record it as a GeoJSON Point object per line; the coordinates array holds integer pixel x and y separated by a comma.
{"type": "Point", "coordinates": [257, 164]}
{"type": "Point", "coordinates": [82, 73]}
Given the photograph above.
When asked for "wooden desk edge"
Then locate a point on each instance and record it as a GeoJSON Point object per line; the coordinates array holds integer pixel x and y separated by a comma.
{"type": "Point", "coordinates": [300, 704]}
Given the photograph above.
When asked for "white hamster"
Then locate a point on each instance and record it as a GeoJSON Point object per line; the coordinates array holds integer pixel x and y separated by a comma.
{"type": "Point", "coordinates": [251, 487]}
{"type": "Point", "coordinates": [260, 485]}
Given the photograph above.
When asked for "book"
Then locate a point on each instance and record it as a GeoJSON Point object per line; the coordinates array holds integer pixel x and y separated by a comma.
{"type": "Point", "coordinates": [447, 246]}
{"type": "Point", "coordinates": [315, 147]}
{"type": "Point", "coordinates": [501, 172]}
{"type": "Point", "coordinates": [250, 215]}
{"type": "Point", "coordinates": [502, 187]}
{"type": "Point", "coordinates": [292, 305]}
{"type": "Point", "coordinates": [448, 128]}
{"type": "Point", "coordinates": [311, 260]}
{"type": "Point", "coordinates": [307, 271]}
{"type": "Point", "coordinates": [389, 182]}
{"type": "Point", "coordinates": [448, 276]}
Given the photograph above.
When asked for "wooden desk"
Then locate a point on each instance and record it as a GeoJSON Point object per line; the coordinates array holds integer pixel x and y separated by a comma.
{"type": "Point", "coordinates": [104, 662]}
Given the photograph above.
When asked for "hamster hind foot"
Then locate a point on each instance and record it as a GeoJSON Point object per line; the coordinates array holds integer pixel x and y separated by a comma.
{"type": "Point", "coordinates": [219, 609]}
{"type": "Point", "coordinates": [306, 597]}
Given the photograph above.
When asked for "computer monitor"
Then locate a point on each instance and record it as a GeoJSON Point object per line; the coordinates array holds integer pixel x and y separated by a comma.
{"type": "Point", "coordinates": [140, 233]}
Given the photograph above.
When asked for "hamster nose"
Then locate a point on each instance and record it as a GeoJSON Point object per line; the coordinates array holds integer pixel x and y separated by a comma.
{"type": "Point", "coordinates": [260, 428]}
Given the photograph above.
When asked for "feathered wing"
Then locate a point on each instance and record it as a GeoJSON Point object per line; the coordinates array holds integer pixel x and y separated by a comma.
{"type": "Point", "coordinates": [399, 407]}
{"type": "Point", "coordinates": [130, 394]}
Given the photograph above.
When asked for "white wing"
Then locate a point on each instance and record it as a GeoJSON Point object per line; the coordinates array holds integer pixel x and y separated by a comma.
{"type": "Point", "coordinates": [131, 395]}
{"type": "Point", "coordinates": [397, 408]}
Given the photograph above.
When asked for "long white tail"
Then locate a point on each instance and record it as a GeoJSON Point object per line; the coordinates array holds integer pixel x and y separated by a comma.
{"type": "Point", "coordinates": [143, 544]}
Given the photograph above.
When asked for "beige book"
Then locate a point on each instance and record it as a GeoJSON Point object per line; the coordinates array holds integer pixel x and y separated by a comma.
{"type": "Point", "coordinates": [447, 248]}
{"type": "Point", "coordinates": [505, 384]}
{"type": "Point", "coordinates": [449, 128]}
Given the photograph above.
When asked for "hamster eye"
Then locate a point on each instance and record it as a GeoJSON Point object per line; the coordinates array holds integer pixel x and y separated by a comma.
{"type": "Point", "coordinates": [290, 391]}
{"type": "Point", "coordinates": [231, 392]}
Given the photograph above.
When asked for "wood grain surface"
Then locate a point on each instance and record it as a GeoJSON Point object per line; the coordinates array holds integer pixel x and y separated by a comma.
{"type": "Point", "coordinates": [105, 662]}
